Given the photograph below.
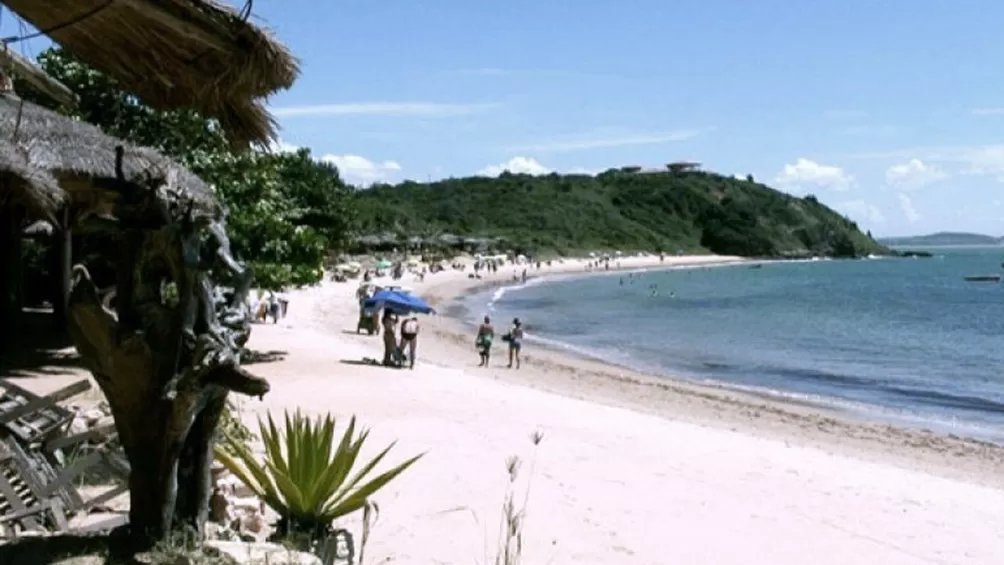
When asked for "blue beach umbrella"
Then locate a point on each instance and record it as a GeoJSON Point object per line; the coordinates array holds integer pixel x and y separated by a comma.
{"type": "Point", "coordinates": [398, 302]}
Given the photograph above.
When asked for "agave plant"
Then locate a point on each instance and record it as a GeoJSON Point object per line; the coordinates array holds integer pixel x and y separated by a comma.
{"type": "Point", "coordinates": [306, 477]}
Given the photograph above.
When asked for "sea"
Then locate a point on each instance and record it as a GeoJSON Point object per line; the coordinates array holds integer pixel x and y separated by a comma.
{"type": "Point", "coordinates": [905, 341]}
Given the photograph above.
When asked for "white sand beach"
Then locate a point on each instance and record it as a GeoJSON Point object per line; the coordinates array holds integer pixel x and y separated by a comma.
{"type": "Point", "coordinates": [632, 469]}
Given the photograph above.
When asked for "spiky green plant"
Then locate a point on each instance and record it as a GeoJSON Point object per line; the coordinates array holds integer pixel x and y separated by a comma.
{"type": "Point", "coordinates": [307, 478]}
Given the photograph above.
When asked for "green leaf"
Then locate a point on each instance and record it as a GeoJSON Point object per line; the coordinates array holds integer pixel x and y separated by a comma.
{"type": "Point", "coordinates": [305, 474]}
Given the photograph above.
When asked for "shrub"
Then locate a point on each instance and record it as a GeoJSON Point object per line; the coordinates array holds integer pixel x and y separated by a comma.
{"type": "Point", "coordinates": [307, 478]}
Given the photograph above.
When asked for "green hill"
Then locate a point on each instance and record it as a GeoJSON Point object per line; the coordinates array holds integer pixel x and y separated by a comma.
{"type": "Point", "coordinates": [943, 238]}
{"type": "Point", "coordinates": [618, 209]}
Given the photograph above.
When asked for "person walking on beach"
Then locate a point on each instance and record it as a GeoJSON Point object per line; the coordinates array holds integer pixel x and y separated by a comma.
{"type": "Point", "coordinates": [389, 338]}
{"type": "Point", "coordinates": [483, 341]}
{"type": "Point", "coordinates": [409, 339]}
{"type": "Point", "coordinates": [515, 342]}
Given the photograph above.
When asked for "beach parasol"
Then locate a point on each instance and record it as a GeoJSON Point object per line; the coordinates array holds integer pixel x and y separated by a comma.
{"type": "Point", "coordinates": [398, 302]}
{"type": "Point", "coordinates": [383, 264]}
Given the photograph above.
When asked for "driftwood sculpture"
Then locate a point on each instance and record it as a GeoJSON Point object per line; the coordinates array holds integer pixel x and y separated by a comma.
{"type": "Point", "coordinates": [167, 354]}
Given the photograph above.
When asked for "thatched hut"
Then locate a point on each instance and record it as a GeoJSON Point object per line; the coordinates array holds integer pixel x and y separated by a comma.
{"type": "Point", "coordinates": [199, 54]}
{"type": "Point", "coordinates": [53, 168]}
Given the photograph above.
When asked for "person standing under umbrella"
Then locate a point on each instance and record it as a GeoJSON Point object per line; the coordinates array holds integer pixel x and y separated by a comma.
{"type": "Point", "coordinates": [409, 339]}
{"type": "Point", "coordinates": [389, 337]}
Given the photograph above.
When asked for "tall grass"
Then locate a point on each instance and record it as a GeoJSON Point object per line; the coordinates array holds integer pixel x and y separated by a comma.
{"type": "Point", "coordinates": [509, 545]}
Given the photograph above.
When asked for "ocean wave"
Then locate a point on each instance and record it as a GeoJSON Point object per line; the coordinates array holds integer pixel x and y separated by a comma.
{"type": "Point", "coordinates": [505, 289]}
{"type": "Point", "coordinates": [901, 415]}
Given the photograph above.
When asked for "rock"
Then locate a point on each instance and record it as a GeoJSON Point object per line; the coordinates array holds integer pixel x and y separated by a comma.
{"type": "Point", "coordinates": [77, 426]}
{"type": "Point", "coordinates": [244, 504]}
{"type": "Point", "coordinates": [93, 416]}
{"type": "Point", "coordinates": [83, 560]}
{"type": "Point", "coordinates": [219, 507]}
{"type": "Point", "coordinates": [255, 553]}
{"type": "Point", "coordinates": [234, 485]}
{"type": "Point", "coordinates": [104, 421]}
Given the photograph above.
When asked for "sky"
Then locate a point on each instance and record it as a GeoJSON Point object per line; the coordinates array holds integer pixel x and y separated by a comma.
{"type": "Point", "coordinates": [891, 111]}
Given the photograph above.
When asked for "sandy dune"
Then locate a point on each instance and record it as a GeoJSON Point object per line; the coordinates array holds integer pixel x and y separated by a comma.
{"type": "Point", "coordinates": [685, 475]}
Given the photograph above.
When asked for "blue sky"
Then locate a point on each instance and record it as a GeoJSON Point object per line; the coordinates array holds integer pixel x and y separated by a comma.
{"type": "Point", "coordinates": [892, 112]}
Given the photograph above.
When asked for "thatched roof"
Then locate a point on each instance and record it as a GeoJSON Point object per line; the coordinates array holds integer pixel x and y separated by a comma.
{"type": "Point", "coordinates": [36, 188]}
{"type": "Point", "coordinates": [39, 144]}
{"type": "Point", "coordinates": [197, 54]}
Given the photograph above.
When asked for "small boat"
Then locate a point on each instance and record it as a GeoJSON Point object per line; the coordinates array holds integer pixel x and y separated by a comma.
{"type": "Point", "coordinates": [757, 266]}
{"type": "Point", "coordinates": [984, 278]}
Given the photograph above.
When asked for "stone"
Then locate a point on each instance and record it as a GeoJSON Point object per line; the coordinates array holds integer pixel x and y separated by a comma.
{"type": "Point", "coordinates": [260, 553]}
{"type": "Point", "coordinates": [77, 426]}
{"type": "Point", "coordinates": [92, 417]}
{"type": "Point", "coordinates": [82, 560]}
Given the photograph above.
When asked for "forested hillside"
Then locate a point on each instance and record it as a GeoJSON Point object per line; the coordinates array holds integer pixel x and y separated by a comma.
{"type": "Point", "coordinates": [944, 238]}
{"type": "Point", "coordinates": [668, 211]}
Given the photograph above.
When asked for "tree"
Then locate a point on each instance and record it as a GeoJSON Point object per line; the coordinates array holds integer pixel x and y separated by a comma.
{"type": "Point", "coordinates": [169, 355]}
{"type": "Point", "coordinates": [287, 210]}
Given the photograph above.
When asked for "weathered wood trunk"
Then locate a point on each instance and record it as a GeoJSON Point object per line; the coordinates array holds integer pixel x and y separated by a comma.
{"type": "Point", "coordinates": [170, 486]}
{"type": "Point", "coordinates": [168, 354]}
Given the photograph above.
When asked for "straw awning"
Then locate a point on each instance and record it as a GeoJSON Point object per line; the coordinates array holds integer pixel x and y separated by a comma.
{"type": "Point", "coordinates": [40, 145]}
{"type": "Point", "coordinates": [197, 54]}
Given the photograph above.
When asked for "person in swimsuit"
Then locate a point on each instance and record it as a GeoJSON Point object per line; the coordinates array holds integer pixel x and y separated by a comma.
{"type": "Point", "coordinates": [515, 342]}
{"type": "Point", "coordinates": [409, 339]}
{"type": "Point", "coordinates": [483, 342]}
{"type": "Point", "coordinates": [389, 338]}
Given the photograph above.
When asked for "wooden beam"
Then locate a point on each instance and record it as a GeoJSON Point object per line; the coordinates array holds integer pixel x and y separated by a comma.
{"type": "Point", "coordinates": [96, 433]}
{"type": "Point", "coordinates": [43, 402]}
{"type": "Point", "coordinates": [63, 255]}
{"type": "Point", "coordinates": [36, 77]}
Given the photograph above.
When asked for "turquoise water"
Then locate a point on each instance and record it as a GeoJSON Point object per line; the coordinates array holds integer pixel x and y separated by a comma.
{"type": "Point", "coordinates": [903, 340]}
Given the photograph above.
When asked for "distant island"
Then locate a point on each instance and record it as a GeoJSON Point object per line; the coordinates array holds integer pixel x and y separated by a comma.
{"type": "Point", "coordinates": [628, 209]}
{"type": "Point", "coordinates": [941, 239]}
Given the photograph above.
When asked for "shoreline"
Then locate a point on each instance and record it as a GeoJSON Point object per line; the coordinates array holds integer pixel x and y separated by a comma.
{"type": "Point", "coordinates": [795, 420]}
{"type": "Point", "coordinates": [859, 412]}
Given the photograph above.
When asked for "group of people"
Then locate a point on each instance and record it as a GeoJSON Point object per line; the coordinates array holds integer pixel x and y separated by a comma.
{"type": "Point", "coordinates": [271, 307]}
{"type": "Point", "coordinates": [486, 335]}
{"type": "Point", "coordinates": [399, 346]}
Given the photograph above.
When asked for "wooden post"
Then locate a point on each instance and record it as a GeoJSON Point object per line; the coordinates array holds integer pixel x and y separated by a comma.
{"type": "Point", "coordinates": [10, 276]}
{"type": "Point", "coordinates": [6, 259]}
{"type": "Point", "coordinates": [63, 241]}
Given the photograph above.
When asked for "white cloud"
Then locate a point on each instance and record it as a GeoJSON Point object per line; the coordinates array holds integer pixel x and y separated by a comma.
{"type": "Point", "coordinates": [861, 211]}
{"type": "Point", "coordinates": [360, 171]}
{"type": "Point", "coordinates": [396, 109]}
{"type": "Point", "coordinates": [516, 165]}
{"type": "Point", "coordinates": [806, 172]}
{"type": "Point", "coordinates": [597, 142]}
{"type": "Point", "coordinates": [913, 174]}
{"type": "Point", "coordinates": [280, 146]}
{"type": "Point", "coordinates": [909, 211]}
{"type": "Point", "coordinates": [985, 160]}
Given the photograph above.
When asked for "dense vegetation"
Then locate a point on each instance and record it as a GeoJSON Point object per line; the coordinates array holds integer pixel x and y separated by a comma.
{"type": "Point", "coordinates": [664, 211]}
{"type": "Point", "coordinates": [944, 238]}
{"type": "Point", "coordinates": [287, 210]}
